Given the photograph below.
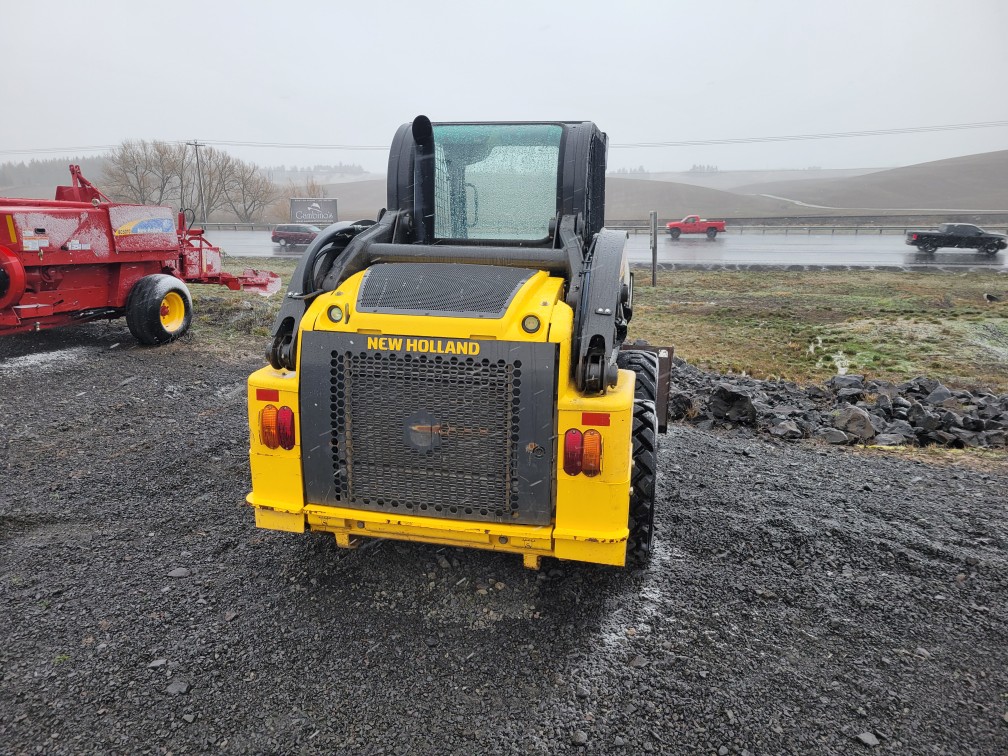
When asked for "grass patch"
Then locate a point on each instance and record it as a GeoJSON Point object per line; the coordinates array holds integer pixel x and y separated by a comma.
{"type": "Point", "coordinates": [801, 326]}
{"type": "Point", "coordinates": [228, 319]}
{"type": "Point", "coordinates": [804, 326]}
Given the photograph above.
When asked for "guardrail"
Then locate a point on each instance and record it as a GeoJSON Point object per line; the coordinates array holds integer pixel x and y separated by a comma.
{"type": "Point", "coordinates": [644, 228]}
{"type": "Point", "coordinates": [235, 226]}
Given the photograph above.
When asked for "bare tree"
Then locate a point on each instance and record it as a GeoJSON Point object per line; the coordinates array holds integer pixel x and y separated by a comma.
{"type": "Point", "coordinates": [142, 172]}
{"type": "Point", "coordinates": [163, 173]}
{"type": "Point", "coordinates": [279, 209]}
{"type": "Point", "coordinates": [248, 191]}
{"type": "Point", "coordinates": [312, 188]}
{"type": "Point", "coordinates": [218, 167]}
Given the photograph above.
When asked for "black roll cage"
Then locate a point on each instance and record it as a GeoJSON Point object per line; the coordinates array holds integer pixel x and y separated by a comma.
{"type": "Point", "coordinates": [591, 259]}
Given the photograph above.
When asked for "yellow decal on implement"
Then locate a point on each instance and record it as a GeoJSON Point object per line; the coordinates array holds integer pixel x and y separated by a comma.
{"type": "Point", "coordinates": [10, 228]}
{"type": "Point", "coordinates": [430, 346]}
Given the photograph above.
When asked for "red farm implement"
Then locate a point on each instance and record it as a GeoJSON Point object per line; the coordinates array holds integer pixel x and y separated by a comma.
{"type": "Point", "coordinates": [83, 257]}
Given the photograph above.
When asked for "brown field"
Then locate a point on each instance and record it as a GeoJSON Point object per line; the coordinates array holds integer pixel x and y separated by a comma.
{"type": "Point", "coordinates": [972, 182]}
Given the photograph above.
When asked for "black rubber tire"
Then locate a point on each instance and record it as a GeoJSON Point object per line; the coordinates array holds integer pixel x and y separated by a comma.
{"type": "Point", "coordinates": [711, 233]}
{"type": "Point", "coordinates": [929, 247]}
{"type": "Point", "coordinates": [675, 233]}
{"type": "Point", "coordinates": [991, 249]}
{"type": "Point", "coordinates": [645, 365]}
{"type": "Point", "coordinates": [643, 481]}
{"type": "Point", "coordinates": [282, 242]}
{"type": "Point", "coordinates": [143, 309]}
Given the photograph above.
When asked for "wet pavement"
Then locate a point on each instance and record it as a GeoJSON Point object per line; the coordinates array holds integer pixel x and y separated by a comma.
{"type": "Point", "coordinates": [730, 250]}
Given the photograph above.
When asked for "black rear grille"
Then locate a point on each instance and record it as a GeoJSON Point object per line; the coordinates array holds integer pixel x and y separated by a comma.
{"type": "Point", "coordinates": [437, 435]}
{"type": "Point", "coordinates": [456, 455]}
{"type": "Point", "coordinates": [444, 289]}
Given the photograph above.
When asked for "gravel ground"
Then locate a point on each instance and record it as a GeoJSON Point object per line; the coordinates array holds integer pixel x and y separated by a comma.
{"type": "Point", "coordinates": [804, 598]}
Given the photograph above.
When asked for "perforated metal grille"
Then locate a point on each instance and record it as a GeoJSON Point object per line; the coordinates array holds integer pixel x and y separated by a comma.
{"type": "Point", "coordinates": [429, 427]}
{"type": "Point", "coordinates": [427, 434]}
{"type": "Point", "coordinates": [447, 289]}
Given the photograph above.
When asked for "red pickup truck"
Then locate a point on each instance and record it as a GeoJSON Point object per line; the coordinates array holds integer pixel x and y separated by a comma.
{"type": "Point", "coordinates": [694, 224]}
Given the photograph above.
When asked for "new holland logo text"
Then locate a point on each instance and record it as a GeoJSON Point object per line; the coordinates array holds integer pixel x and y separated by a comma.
{"type": "Point", "coordinates": [431, 346]}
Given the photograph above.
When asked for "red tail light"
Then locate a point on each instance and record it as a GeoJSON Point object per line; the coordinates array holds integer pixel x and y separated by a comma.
{"type": "Point", "coordinates": [913, 238]}
{"type": "Point", "coordinates": [285, 427]}
{"type": "Point", "coordinates": [573, 451]}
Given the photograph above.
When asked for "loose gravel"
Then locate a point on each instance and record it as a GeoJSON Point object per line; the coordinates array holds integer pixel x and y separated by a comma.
{"type": "Point", "coordinates": [804, 598]}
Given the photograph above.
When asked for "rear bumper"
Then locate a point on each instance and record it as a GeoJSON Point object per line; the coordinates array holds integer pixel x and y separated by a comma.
{"type": "Point", "coordinates": [533, 542]}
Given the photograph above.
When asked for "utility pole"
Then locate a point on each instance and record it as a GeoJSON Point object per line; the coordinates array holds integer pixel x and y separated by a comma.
{"type": "Point", "coordinates": [653, 223]}
{"type": "Point", "coordinates": [199, 177]}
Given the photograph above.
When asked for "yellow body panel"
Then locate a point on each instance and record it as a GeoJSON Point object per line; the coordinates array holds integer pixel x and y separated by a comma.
{"type": "Point", "coordinates": [276, 473]}
{"type": "Point", "coordinates": [590, 521]}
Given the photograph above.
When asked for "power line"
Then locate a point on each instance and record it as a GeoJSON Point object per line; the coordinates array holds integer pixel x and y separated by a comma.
{"type": "Point", "coordinates": [807, 137]}
{"type": "Point", "coordinates": [621, 145]}
{"type": "Point", "coordinates": [56, 150]}
{"type": "Point", "coordinates": [283, 145]}
{"type": "Point", "coordinates": [212, 142]}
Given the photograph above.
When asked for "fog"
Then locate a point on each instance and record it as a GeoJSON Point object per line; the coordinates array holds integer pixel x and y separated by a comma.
{"type": "Point", "coordinates": [88, 75]}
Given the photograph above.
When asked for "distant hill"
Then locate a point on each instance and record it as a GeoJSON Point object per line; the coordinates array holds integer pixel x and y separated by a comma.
{"type": "Point", "coordinates": [972, 182]}
{"type": "Point", "coordinates": [633, 199]}
{"type": "Point", "coordinates": [358, 200]}
{"type": "Point", "coordinates": [731, 180]}
{"type": "Point", "coordinates": [39, 178]}
{"type": "Point", "coordinates": [32, 191]}
{"type": "Point", "coordinates": [976, 182]}
{"type": "Point", "coordinates": [626, 199]}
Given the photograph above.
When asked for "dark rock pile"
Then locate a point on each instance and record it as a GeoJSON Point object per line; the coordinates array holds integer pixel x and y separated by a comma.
{"type": "Point", "coordinates": [848, 410]}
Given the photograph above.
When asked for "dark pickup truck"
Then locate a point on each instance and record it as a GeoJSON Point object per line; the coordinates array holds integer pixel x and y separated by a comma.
{"type": "Point", "coordinates": [961, 235]}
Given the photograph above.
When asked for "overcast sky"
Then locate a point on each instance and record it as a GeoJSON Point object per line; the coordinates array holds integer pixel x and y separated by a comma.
{"type": "Point", "coordinates": [85, 74]}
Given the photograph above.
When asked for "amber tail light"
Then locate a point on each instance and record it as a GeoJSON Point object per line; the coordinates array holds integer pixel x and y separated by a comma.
{"type": "Point", "coordinates": [276, 427]}
{"type": "Point", "coordinates": [591, 456]}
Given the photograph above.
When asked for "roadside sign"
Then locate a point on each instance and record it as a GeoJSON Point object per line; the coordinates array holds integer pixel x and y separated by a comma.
{"type": "Point", "coordinates": [314, 210]}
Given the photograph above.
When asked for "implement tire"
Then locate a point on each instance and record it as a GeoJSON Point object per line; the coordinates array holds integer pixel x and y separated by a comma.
{"type": "Point", "coordinates": [159, 309]}
{"type": "Point", "coordinates": [643, 480]}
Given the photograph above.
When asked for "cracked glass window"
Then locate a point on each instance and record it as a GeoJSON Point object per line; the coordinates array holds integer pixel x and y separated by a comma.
{"type": "Point", "coordinates": [495, 181]}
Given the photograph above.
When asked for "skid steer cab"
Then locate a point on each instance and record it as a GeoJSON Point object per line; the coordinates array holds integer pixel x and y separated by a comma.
{"type": "Point", "coordinates": [455, 373]}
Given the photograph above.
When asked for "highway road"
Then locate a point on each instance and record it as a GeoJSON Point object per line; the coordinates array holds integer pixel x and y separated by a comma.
{"type": "Point", "coordinates": [731, 251]}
